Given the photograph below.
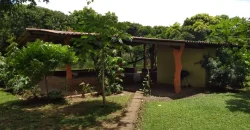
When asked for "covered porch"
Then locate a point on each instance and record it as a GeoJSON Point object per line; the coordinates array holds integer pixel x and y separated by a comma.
{"type": "Point", "coordinates": [166, 56]}
{"type": "Point", "coordinates": [177, 58]}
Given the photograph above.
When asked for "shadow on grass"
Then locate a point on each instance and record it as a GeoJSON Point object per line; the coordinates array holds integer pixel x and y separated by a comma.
{"type": "Point", "coordinates": [82, 115]}
{"type": "Point", "coordinates": [240, 102]}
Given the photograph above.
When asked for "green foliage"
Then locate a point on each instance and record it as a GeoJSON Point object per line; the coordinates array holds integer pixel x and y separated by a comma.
{"type": "Point", "coordinates": [229, 69]}
{"type": "Point", "coordinates": [230, 30]}
{"type": "Point", "coordinates": [8, 72]}
{"type": "Point", "coordinates": [32, 93]}
{"type": "Point", "coordinates": [174, 32]}
{"type": "Point", "coordinates": [200, 27]}
{"type": "Point", "coordinates": [132, 28]}
{"type": "Point", "coordinates": [39, 58]}
{"type": "Point", "coordinates": [147, 85]}
{"type": "Point", "coordinates": [22, 17]}
{"type": "Point", "coordinates": [106, 43]}
{"type": "Point", "coordinates": [7, 5]}
{"type": "Point", "coordinates": [86, 88]}
{"type": "Point", "coordinates": [29, 65]}
{"type": "Point", "coordinates": [136, 54]}
{"type": "Point", "coordinates": [197, 27]}
{"type": "Point", "coordinates": [114, 74]}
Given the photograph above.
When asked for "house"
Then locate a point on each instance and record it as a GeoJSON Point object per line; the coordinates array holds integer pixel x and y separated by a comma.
{"type": "Point", "coordinates": [172, 56]}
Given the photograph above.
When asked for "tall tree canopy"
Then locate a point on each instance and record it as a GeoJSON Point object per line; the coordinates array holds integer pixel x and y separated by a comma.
{"type": "Point", "coordinates": [174, 32]}
{"type": "Point", "coordinates": [6, 5]}
{"type": "Point", "coordinates": [198, 26]}
{"type": "Point", "coordinates": [37, 17]}
{"type": "Point", "coordinates": [230, 30]}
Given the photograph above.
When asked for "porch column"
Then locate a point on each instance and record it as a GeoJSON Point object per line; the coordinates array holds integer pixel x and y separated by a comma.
{"type": "Point", "coordinates": [178, 67]}
{"type": "Point", "coordinates": [144, 58]}
{"type": "Point", "coordinates": [152, 58]}
{"type": "Point", "coordinates": [68, 67]}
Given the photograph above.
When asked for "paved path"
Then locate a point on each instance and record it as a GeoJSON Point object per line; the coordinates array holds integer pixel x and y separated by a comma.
{"type": "Point", "coordinates": [131, 115]}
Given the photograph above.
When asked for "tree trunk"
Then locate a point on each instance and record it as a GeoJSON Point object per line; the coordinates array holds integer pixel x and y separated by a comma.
{"type": "Point", "coordinates": [46, 85]}
{"type": "Point", "coordinates": [103, 86]}
{"type": "Point", "coordinates": [134, 65]}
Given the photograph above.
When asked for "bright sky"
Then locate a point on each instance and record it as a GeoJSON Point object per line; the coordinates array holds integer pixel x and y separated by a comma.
{"type": "Point", "coordinates": [156, 12]}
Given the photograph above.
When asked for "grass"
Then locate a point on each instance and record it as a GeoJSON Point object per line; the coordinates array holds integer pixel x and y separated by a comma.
{"type": "Point", "coordinates": [73, 114]}
{"type": "Point", "coordinates": [208, 112]}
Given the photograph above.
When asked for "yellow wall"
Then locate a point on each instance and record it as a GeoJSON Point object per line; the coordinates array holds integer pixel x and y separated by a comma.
{"type": "Point", "coordinates": [165, 65]}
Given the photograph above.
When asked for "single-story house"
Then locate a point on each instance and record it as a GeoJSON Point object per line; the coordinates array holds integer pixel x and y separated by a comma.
{"type": "Point", "coordinates": [172, 56]}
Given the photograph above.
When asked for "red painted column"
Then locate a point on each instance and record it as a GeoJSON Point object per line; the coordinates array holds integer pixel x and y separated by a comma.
{"type": "Point", "coordinates": [178, 67]}
{"type": "Point", "coordinates": [68, 67]}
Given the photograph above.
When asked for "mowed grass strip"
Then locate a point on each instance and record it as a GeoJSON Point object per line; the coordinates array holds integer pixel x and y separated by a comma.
{"type": "Point", "coordinates": [205, 112]}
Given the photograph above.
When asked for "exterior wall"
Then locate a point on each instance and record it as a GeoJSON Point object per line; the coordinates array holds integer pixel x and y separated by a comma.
{"type": "Point", "coordinates": [165, 64]}
{"type": "Point", "coordinates": [166, 68]}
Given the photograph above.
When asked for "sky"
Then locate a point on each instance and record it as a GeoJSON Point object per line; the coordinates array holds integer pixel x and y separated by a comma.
{"type": "Point", "coordinates": [155, 12]}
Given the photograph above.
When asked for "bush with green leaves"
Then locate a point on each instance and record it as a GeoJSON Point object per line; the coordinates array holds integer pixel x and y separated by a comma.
{"type": "Point", "coordinates": [230, 68]}
{"type": "Point", "coordinates": [8, 73]}
{"type": "Point", "coordinates": [86, 88]}
{"type": "Point", "coordinates": [114, 74]}
{"type": "Point", "coordinates": [147, 85]}
{"type": "Point", "coordinates": [34, 62]}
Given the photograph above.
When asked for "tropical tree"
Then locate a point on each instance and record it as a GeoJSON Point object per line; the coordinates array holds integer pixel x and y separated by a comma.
{"type": "Point", "coordinates": [107, 38]}
{"type": "Point", "coordinates": [132, 28]}
{"type": "Point", "coordinates": [159, 31]}
{"type": "Point", "coordinates": [14, 23]}
{"type": "Point", "coordinates": [145, 31]}
{"type": "Point", "coordinates": [6, 5]}
{"type": "Point", "coordinates": [36, 61]}
{"type": "Point", "coordinates": [135, 55]}
{"type": "Point", "coordinates": [196, 27]}
{"type": "Point", "coordinates": [174, 32]}
{"type": "Point", "coordinates": [230, 68]}
{"type": "Point", "coordinates": [233, 30]}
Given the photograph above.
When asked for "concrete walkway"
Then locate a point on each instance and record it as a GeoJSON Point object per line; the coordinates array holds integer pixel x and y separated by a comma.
{"type": "Point", "coordinates": [131, 115]}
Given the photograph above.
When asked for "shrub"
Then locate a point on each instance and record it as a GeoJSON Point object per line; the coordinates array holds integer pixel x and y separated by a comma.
{"type": "Point", "coordinates": [147, 85]}
{"type": "Point", "coordinates": [27, 66]}
{"type": "Point", "coordinates": [114, 73]}
{"type": "Point", "coordinates": [230, 68]}
{"type": "Point", "coordinates": [86, 88]}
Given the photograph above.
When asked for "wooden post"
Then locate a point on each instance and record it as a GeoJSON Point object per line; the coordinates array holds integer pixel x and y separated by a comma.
{"type": "Point", "coordinates": [144, 58]}
{"type": "Point", "coordinates": [178, 67]}
{"type": "Point", "coordinates": [68, 67]}
{"type": "Point", "coordinates": [152, 58]}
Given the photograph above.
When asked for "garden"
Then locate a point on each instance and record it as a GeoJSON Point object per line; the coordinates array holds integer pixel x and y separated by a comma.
{"type": "Point", "coordinates": [223, 104]}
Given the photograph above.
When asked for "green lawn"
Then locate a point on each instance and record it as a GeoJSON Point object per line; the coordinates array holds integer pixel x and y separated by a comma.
{"type": "Point", "coordinates": [73, 114]}
{"type": "Point", "coordinates": [207, 112]}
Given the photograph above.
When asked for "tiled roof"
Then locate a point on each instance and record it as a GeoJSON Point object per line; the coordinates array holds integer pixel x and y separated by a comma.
{"type": "Point", "coordinates": [138, 40]}
{"type": "Point", "coordinates": [172, 41]}
{"type": "Point", "coordinates": [71, 33]}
